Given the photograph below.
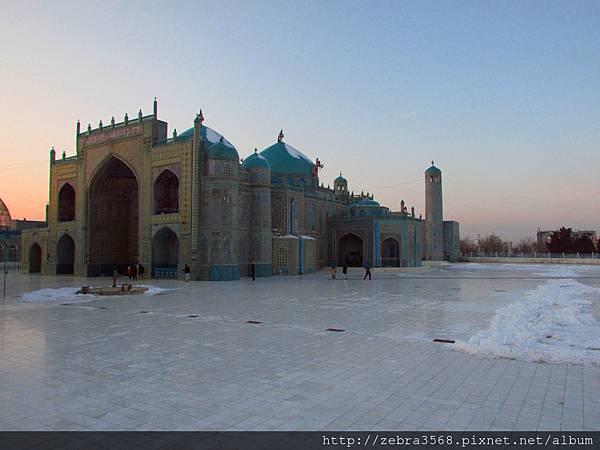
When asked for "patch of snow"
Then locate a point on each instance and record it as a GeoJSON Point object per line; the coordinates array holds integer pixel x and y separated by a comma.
{"type": "Point", "coordinates": [310, 238]}
{"type": "Point", "coordinates": [155, 290]}
{"type": "Point", "coordinates": [553, 324]}
{"type": "Point", "coordinates": [69, 294]}
{"type": "Point", "coordinates": [296, 153]}
{"type": "Point", "coordinates": [261, 156]}
{"type": "Point", "coordinates": [287, 236]}
{"type": "Point", "coordinates": [64, 294]}
{"type": "Point", "coordinates": [215, 137]}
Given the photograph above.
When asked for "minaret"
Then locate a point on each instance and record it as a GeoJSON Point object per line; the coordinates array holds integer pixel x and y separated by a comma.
{"type": "Point", "coordinates": [434, 217]}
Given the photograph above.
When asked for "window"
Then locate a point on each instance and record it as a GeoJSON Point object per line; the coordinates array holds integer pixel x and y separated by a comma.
{"type": "Point", "coordinates": [227, 169]}
{"type": "Point", "coordinates": [166, 193]}
{"type": "Point", "coordinates": [282, 257]}
{"type": "Point", "coordinates": [66, 203]}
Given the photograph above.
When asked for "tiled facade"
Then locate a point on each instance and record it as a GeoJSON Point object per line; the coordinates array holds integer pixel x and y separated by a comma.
{"type": "Point", "coordinates": [132, 195]}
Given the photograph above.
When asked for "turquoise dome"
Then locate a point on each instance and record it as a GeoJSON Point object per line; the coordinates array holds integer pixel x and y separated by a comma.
{"type": "Point", "coordinates": [353, 205]}
{"type": "Point", "coordinates": [368, 202]}
{"type": "Point", "coordinates": [221, 150]}
{"type": "Point", "coordinates": [208, 134]}
{"type": "Point", "coordinates": [340, 179]}
{"type": "Point", "coordinates": [286, 159]}
{"type": "Point", "coordinates": [433, 171]}
{"type": "Point", "coordinates": [256, 160]}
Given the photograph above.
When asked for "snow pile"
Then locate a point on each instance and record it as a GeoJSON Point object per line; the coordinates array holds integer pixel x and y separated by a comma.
{"type": "Point", "coordinates": [154, 290]}
{"type": "Point", "coordinates": [64, 294]}
{"type": "Point", "coordinates": [296, 153]}
{"type": "Point", "coordinates": [552, 324]}
{"type": "Point", "coordinates": [69, 294]}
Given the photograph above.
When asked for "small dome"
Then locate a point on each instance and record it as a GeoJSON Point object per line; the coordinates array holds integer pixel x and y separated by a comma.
{"type": "Point", "coordinates": [433, 171]}
{"type": "Point", "coordinates": [368, 202]}
{"type": "Point", "coordinates": [5, 218]}
{"type": "Point", "coordinates": [286, 159]}
{"type": "Point", "coordinates": [221, 150]}
{"type": "Point", "coordinates": [353, 205]}
{"type": "Point", "coordinates": [340, 179]}
{"type": "Point", "coordinates": [256, 160]}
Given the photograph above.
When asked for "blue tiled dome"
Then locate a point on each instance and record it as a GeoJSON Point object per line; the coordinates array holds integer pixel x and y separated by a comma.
{"type": "Point", "coordinates": [286, 159]}
{"type": "Point", "coordinates": [340, 179]}
{"type": "Point", "coordinates": [368, 202]}
{"type": "Point", "coordinates": [221, 150]}
{"type": "Point", "coordinates": [208, 134]}
{"type": "Point", "coordinates": [256, 160]}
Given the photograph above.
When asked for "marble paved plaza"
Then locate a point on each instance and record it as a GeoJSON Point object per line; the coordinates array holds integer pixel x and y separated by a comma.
{"type": "Point", "coordinates": [188, 359]}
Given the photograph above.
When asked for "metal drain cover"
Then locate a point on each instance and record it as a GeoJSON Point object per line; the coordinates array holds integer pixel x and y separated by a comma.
{"type": "Point", "coordinates": [253, 321]}
{"type": "Point", "coordinates": [444, 341]}
{"type": "Point", "coordinates": [144, 312]}
{"type": "Point", "coordinates": [337, 330]}
{"type": "Point", "coordinates": [193, 315]}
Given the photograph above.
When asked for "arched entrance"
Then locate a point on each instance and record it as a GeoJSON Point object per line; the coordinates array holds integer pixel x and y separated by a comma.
{"type": "Point", "coordinates": [390, 253]}
{"type": "Point", "coordinates": [350, 250]}
{"type": "Point", "coordinates": [65, 251]}
{"type": "Point", "coordinates": [66, 203]}
{"type": "Point", "coordinates": [166, 193]}
{"type": "Point", "coordinates": [35, 259]}
{"type": "Point", "coordinates": [165, 254]}
{"type": "Point", "coordinates": [113, 209]}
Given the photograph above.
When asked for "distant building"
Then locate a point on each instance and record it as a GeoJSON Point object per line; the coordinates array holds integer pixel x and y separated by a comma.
{"type": "Point", "coordinates": [10, 234]}
{"type": "Point", "coordinates": [131, 194]}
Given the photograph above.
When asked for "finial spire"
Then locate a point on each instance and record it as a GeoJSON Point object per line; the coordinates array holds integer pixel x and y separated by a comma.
{"type": "Point", "coordinates": [201, 116]}
{"type": "Point", "coordinates": [432, 162]}
{"type": "Point", "coordinates": [78, 126]}
{"type": "Point", "coordinates": [155, 108]}
{"type": "Point", "coordinates": [280, 137]}
{"type": "Point", "coordinates": [255, 150]}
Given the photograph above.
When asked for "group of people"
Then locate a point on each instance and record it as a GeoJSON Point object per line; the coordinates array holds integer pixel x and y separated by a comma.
{"type": "Point", "coordinates": [133, 271]}
{"type": "Point", "coordinates": [367, 267]}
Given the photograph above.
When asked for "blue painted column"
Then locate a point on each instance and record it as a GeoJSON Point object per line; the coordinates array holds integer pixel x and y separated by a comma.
{"type": "Point", "coordinates": [301, 254]}
{"type": "Point", "coordinates": [292, 217]}
{"type": "Point", "coordinates": [377, 262]}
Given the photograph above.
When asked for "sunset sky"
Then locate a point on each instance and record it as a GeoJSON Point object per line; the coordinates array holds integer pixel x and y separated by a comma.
{"type": "Point", "coordinates": [504, 96]}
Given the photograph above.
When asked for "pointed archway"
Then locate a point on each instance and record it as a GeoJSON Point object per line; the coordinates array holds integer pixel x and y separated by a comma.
{"type": "Point", "coordinates": [166, 193]}
{"type": "Point", "coordinates": [165, 254]}
{"type": "Point", "coordinates": [66, 203]}
{"type": "Point", "coordinates": [35, 258]}
{"type": "Point", "coordinates": [65, 251]}
{"type": "Point", "coordinates": [350, 250]}
{"type": "Point", "coordinates": [114, 210]}
{"type": "Point", "coordinates": [390, 253]}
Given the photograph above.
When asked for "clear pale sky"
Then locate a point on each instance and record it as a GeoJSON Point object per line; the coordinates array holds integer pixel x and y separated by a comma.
{"type": "Point", "coordinates": [504, 96]}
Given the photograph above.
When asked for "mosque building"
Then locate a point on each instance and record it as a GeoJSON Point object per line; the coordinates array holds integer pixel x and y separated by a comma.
{"type": "Point", "coordinates": [132, 194]}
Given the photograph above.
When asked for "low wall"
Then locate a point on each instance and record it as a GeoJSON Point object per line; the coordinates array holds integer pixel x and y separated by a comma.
{"type": "Point", "coordinates": [490, 259]}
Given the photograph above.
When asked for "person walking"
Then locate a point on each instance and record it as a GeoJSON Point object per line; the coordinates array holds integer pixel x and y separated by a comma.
{"type": "Point", "coordinates": [115, 275]}
{"type": "Point", "coordinates": [129, 272]}
{"type": "Point", "coordinates": [345, 270]}
{"type": "Point", "coordinates": [367, 270]}
{"type": "Point", "coordinates": [187, 273]}
{"type": "Point", "coordinates": [141, 271]}
{"type": "Point", "coordinates": [253, 272]}
{"type": "Point", "coordinates": [333, 272]}
{"type": "Point", "coordinates": [134, 272]}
